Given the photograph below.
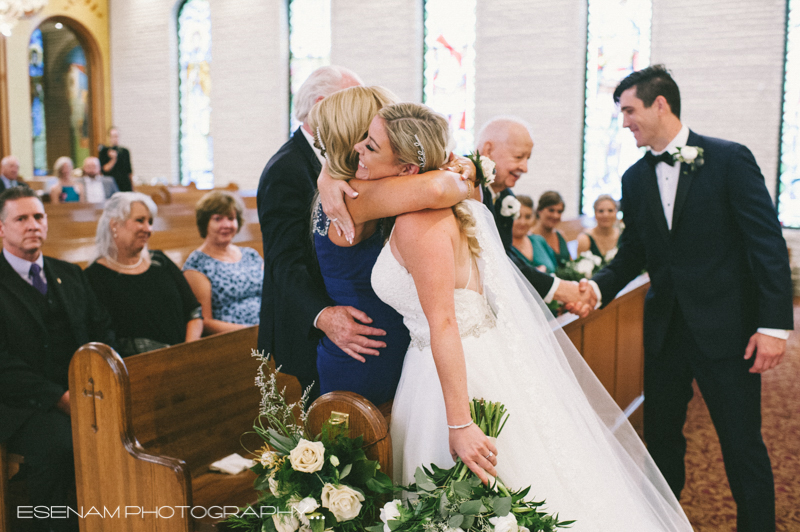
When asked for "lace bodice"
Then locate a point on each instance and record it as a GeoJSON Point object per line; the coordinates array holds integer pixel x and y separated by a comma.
{"type": "Point", "coordinates": [395, 286]}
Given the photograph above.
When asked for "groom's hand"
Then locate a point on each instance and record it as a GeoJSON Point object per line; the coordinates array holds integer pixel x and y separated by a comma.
{"type": "Point", "coordinates": [579, 298]}
{"type": "Point", "coordinates": [340, 326]}
{"type": "Point", "coordinates": [769, 352]}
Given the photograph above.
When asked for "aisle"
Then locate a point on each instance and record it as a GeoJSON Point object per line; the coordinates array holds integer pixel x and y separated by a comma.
{"type": "Point", "coordinates": [707, 498]}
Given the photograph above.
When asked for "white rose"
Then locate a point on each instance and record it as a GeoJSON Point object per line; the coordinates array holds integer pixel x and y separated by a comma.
{"type": "Point", "coordinates": [507, 523]}
{"type": "Point", "coordinates": [285, 522]}
{"type": "Point", "coordinates": [308, 456]}
{"type": "Point", "coordinates": [612, 253]}
{"type": "Point", "coordinates": [585, 267]}
{"type": "Point", "coordinates": [487, 165]}
{"type": "Point", "coordinates": [689, 153]}
{"type": "Point", "coordinates": [510, 207]}
{"type": "Point", "coordinates": [343, 501]}
{"type": "Point", "coordinates": [303, 507]}
{"type": "Point", "coordinates": [390, 511]}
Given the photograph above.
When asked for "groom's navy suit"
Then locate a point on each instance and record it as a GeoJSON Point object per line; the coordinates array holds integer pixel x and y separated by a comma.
{"type": "Point", "coordinates": [294, 292]}
{"type": "Point", "coordinates": [717, 275]}
{"type": "Point", "coordinates": [541, 281]}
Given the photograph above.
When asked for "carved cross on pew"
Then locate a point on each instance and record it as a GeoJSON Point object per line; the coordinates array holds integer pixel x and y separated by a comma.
{"type": "Point", "coordinates": [94, 395]}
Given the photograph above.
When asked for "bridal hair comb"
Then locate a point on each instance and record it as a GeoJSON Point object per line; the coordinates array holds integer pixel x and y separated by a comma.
{"type": "Point", "coordinates": [420, 152]}
{"type": "Point", "coordinates": [321, 145]}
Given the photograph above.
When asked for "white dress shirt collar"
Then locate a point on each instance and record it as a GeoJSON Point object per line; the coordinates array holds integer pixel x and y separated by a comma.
{"type": "Point", "coordinates": [23, 267]}
{"type": "Point", "coordinates": [8, 182]}
{"type": "Point", "coordinates": [679, 141]}
{"type": "Point", "coordinates": [310, 140]}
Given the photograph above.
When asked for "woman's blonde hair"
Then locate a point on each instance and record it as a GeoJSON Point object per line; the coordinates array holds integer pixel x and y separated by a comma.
{"type": "Point", "coordinates": [418, 135]}
{"type": "Point", "coordinates": [341, 121]}
{"type": "Point", "coordinates": [60, 163]}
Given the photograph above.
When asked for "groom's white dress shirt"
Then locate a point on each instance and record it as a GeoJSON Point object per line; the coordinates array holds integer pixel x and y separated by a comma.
{"type": "Point", "coordinates": [667, 177]}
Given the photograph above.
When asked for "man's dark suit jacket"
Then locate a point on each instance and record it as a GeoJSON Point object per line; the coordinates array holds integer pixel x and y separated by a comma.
{"type": "Point", "coordinates": [294, 292]}
{"type": "Point", "coordinates": [724, 262]}
{"type": "Point", "coordinates": [32, 375]}
{"type": "Point", "coordinates": [541, 281]}
{"type": "Point", "coordinates": [3, 185]}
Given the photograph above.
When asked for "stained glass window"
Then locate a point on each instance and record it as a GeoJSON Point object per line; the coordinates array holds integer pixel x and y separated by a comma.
{"type": "Point", "coordinates": [194, 59]}
{"type": "Point", "coordinates": [449, 66]}
{"type": "Point", "coordinates": [618, 44]}
{"type": "Point", "coordinates": [36, 73]}
{"type": "Point", "coordinates": [789, 178]}
{"type": "Point", "coordinates": [309, 43]}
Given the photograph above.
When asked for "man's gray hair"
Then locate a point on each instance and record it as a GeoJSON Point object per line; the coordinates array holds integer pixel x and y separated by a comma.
{"type": "Point", "coordinates": [498, 126]}
{"type": "Point", "coordinates": [7, 159]}
{"type": "Point", "coordinates": [118, 208]}
{"type": "Point", "coordinates": [323, 82]}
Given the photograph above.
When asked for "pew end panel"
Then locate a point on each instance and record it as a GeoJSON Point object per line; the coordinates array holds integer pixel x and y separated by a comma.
{"type": "Point", "coordinates": [112, 469]}
{"type": "Point", "coordinates": [361, 418]}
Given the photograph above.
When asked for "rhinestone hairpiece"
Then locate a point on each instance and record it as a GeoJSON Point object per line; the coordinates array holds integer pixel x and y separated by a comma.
{"type": "Point", "coordinates": [420, 152]}
{"type": "Point", "coordinates": [321, 145]}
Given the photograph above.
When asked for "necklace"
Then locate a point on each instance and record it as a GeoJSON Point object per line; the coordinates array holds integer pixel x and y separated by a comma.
{"type": "Point", "coordinates": [124, 266]}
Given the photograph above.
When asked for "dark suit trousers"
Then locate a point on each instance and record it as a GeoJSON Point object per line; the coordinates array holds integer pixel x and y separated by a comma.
{"type": "Point", "coordinates": [45, 440]}
{"type": "Point", "coordinates": [733, 396]}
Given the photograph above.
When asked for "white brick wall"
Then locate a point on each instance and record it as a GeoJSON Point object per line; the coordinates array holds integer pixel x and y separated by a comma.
{"type": "Point", "coordinates": [727, 57]}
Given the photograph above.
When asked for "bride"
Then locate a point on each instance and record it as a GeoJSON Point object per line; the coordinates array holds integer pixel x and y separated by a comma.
{"type": "Point", "coordinates": [478, 329]}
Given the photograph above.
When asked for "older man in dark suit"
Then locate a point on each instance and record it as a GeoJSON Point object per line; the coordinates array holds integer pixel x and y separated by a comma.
{"type": "Point", "coordinates": [9, 173]}
{"type": "Point", "coordinates": [295, 309]}
{"type": "Point", "coordinates": [719, 309]}
{"type": "Point", "coordinates": [507, 141]}
{"type": "Point", "coordinates": [47, 311]}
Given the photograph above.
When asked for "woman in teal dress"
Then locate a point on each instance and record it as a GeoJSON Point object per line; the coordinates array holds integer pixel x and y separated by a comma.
{"type": "Point", "coordinates": [522, 241]}
{"type": "Point", "coordinates": [67, 190]}
{"type": "Point", "coordinates": [549, 245]}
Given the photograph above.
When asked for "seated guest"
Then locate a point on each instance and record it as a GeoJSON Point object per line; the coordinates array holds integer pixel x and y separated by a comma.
{"type": "Point", "coordinates": [150, 302]}
{"type": "Point", "coordinates": [98, 187]}
{"type": "Point", "coordinates": [67, 190]}
{"type": "Point", "coordinates": [47, 311]}
{"type": "Point", "coordinates": [602, 239]}
{"type": "Point", "coordinates": [225, 278]}
{"type": "Point", "coordinates": [549, 246]}
{"type": "Point", "coordinates": [521, 239]}
{"type": "Point", "coordinates": [9, 173]}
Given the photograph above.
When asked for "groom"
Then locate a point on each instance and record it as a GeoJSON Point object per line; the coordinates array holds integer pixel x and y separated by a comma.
{"type": "Point", "coordinates": [719, 309]}
{"type": "Point", "coordinates": [507, 141]}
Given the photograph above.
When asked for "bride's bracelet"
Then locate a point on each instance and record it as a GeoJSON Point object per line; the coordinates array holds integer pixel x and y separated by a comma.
{"type": "Point", "coordinates": [456, 427]}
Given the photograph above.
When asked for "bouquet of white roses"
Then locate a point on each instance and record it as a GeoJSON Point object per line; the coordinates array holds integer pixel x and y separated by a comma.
{"type": "Point", "coordinates": [308, 483]}
{"type": "Point", "coordinates": [455, 500]}
{"type": "Point", "coordinates": [584, 267]}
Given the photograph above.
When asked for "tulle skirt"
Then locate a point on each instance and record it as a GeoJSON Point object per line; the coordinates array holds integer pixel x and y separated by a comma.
{"type": "Point", "coordinates": [552, 441]}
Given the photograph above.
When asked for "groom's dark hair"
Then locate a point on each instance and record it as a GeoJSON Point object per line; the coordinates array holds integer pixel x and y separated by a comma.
{"type": "Point", "coordinates": [650, 83]}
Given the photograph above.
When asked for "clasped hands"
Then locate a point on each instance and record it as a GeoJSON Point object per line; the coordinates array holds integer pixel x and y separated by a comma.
{"type": "Point", "coordinates": [579, 298]}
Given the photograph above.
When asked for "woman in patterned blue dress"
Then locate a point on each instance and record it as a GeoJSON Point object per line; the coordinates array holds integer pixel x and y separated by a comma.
{"type": "Point", "coordinates": [340, 122]}
{"type": "Point", "coordinates": [225, 278]}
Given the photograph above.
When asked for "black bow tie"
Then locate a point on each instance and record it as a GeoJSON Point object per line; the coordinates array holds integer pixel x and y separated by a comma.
{"type": "Point", "coordinates": [653, 159]}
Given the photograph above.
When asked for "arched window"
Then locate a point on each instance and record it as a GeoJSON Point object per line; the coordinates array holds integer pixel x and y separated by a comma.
{"type": "Point", "coordinates": [789, 169]}
{"type": "Point", "coordinates": [449, 67]}
{"type": "Point", "coordinates": [309, 43]}
{"type": "Point", "coordinates": [194, 60]}
{"type": "Point", "coordinates": [618, 43]}
{"type": "Point", "coordinates": [61, 96]}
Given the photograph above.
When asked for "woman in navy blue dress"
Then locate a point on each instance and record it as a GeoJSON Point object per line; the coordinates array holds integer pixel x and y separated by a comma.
{"type": "Point", "coordinates": [340, 122]}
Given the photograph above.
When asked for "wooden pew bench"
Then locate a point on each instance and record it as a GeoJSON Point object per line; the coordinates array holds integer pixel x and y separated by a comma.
{"type": "Point", "coordinates": [145, 430]}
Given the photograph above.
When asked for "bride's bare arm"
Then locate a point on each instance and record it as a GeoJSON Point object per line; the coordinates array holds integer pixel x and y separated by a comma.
{"type": "Point", "coordinates": [425, 241]}
{"type": "Point", "coordinates": [391, 196]}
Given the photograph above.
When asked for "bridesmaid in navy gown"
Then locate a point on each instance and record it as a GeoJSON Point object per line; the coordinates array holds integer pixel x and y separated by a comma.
{"type": "Point", "coordinates": [347, 272]}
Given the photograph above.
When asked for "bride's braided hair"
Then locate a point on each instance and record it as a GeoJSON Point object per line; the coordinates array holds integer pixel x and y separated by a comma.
{"type": "Point", "coordinates": [418, 135]}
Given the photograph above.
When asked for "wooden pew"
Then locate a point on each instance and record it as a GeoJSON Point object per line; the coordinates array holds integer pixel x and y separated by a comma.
{"type": "Point", "coordinates": [145, 430]}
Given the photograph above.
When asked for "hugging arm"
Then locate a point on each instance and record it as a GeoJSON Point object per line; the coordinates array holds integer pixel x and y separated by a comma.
{"type": "Point", "coordinates": [425, 241]}
{"type": "Point", "coordinates": [391, 196]}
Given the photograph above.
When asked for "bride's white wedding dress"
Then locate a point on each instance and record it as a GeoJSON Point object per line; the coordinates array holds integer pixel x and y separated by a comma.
{"type": "Point", "coordinates": [565, 436]}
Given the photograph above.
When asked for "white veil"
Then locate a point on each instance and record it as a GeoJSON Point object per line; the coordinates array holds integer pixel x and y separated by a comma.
{"type": "Point", "coordinates": [531, 330]}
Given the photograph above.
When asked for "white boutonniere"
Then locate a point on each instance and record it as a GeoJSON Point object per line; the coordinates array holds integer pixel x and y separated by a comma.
{"type": "Point", "coordinates": [484, 168]}
{"type": "Point", "coordinates": [691, 155]}
{"type": "Point", "coordinates": [510, 207]}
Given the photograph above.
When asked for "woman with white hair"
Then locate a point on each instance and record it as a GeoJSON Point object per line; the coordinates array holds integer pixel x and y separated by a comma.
{"type": "Point", "coordinates": [67, 190]}
{"type": "Point", "coordinates": [150, 303]}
